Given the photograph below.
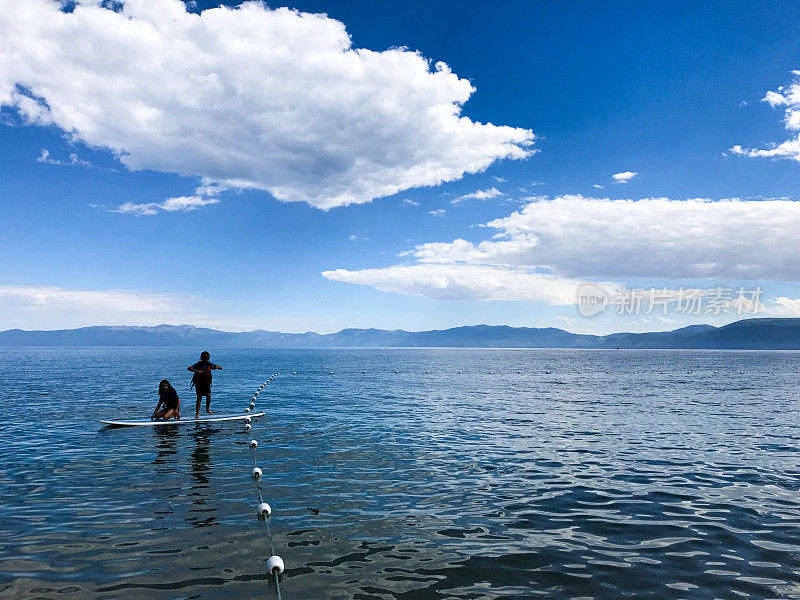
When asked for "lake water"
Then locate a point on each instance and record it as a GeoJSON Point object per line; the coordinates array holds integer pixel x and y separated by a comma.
{"type": "Point", "coordinates": [436, 473]}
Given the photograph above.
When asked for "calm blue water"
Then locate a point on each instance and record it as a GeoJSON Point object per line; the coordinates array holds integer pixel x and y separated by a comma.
{"type": "Point", "coordinates": [437, 474]}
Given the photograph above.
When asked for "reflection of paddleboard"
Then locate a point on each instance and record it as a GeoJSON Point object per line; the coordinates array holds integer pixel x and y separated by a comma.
{"type": "Point", "coordinates": [148, 422]}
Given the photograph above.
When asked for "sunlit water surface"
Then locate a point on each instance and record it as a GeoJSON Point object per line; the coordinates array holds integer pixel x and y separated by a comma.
{"type": "Point", "coordinates": [436, 474]}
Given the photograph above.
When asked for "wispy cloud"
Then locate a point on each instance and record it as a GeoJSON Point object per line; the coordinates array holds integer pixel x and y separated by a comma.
{"type": "Point", "coordinates": [113, 300]}
{"type": "Point", "coordinates": [74, 160]}
{"type": "Point", "coordinates": [49, 306]}
{"type": "Point", "coordinates": [179, 204]}
{"type": "Point", "coordinates": [206, 194]}
{"type": "Point", "coordinates": [526, 188]}
{"type": "Point", "coordinates": [486, 194]}
{"type": "Point", "coordinates": [407, 202]}
{"type": "Point", "coordinates": [463, 282]}
{"type": "Point", "coordinates": [438, 212]}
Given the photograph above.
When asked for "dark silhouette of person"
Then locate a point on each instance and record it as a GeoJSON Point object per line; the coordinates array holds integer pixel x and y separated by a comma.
{"type": "Point", "coordinates": [201, 380]}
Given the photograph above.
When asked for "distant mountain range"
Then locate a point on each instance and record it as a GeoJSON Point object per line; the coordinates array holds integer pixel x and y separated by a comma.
{"type": "Point", "coordinates": [748, 334]}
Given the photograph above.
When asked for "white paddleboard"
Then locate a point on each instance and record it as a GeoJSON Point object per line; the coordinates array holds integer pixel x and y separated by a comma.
{"type": "Point", "coordinates": [149, 423]}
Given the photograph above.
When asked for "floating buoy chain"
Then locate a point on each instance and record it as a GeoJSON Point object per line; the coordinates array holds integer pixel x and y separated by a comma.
{"type": "Point", "coordinates": [275, 564]}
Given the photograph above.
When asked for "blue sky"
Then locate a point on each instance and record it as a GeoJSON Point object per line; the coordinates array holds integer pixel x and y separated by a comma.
{"type": "Point", "coordinates": [664, 92]}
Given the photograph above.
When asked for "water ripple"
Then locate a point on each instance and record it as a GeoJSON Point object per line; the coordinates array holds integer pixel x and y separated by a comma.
{"type": "Point", "coordinates": [436, 474]}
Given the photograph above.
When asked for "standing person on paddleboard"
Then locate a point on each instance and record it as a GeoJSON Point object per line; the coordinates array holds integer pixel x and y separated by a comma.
{"type": "Point", "coordinates": [201, 380]}
{"type": "Point", "coordinates": [169, 404]}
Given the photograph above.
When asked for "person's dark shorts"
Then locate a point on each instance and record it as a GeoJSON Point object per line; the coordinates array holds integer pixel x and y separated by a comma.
{"type": "Point", "coordinates": [171, 406]}
{"type": "Point", "coordinates": [202, 390]}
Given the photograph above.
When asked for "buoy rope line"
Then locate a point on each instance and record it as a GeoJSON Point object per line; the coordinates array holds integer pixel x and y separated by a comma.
{"type": "Point", "coordinates": [275, 564]}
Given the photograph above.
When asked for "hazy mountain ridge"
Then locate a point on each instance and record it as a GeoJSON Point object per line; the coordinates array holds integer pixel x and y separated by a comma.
{"type": "Point", "coordinates": [756, 334]}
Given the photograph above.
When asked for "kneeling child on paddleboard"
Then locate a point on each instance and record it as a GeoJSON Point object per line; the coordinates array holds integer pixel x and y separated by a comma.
{"type": "Point", "coordinates": [168, 402]}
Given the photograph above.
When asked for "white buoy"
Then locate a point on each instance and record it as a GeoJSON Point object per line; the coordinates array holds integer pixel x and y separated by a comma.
{"type": "Point", "coordinates": [248, 427]}
{"type": "Point", "coordinates": [256, 474]}
{"type": "Point", "coordinates": [264, 511]}
{"type": "Point", "coordinates": [253, 444]}
{"type": "Point", "coordinates": [275, 562]}
{"type": "Point", "coordinates": [330, 372]}
{"type": "Point", "coordinates": [295, 373]}
{"type": "Point", "coordinates": [257, 394]}
{"type": "Point", "coordinates": [247, 420]}
{"type": "Point", "coordinates": [246, 410]}
{"type": "Point", "coordinates": [252, 405]}
{"type": "Point", "coordinates": [363, 371]}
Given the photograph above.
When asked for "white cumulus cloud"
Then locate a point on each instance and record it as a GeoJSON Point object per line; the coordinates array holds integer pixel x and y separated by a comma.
{"type": "Point", "coordinates": [790, 98]}
{"type": "Point", "coordinates": [248, 97]}
{"type": "Point", "coordinates": [655, 237]}
{"type": "Point", "coordinates": [790, 305]}
{"type": "Point", "coordinates": [624, 177]}
{"type": "Point", "coordinates": [568, 239]}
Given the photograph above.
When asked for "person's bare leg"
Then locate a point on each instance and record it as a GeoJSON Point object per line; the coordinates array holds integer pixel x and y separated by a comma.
{"type": "Point", "coordinates": [208, 404]}
{"type": "Point", "coordinates": [197, 409]}
{"type": "Point", "coordinates": [169, 414]}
